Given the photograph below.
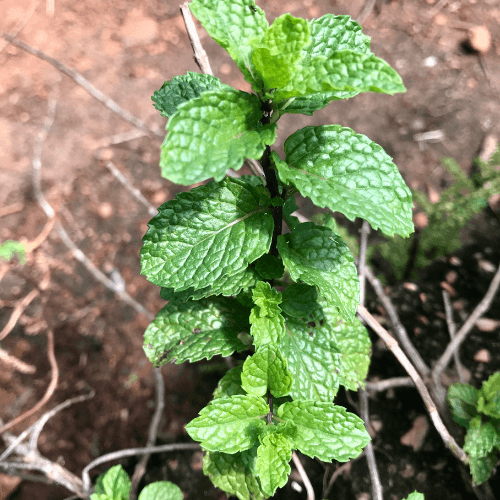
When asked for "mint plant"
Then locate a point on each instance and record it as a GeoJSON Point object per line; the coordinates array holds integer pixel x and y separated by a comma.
{"type": "Point", "coordinates": [115, 484]}
{"type": "Point", "coordinates": [233, 281]}
{"type": "Point", "coordinates": [479, 412]}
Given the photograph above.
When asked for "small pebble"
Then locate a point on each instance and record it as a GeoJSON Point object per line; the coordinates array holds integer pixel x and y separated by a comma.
{"type": "Point", "coordinates": [487, 324]}
{"type": "Point", "coordinates": [486, 266]}
{"type": "Point", "coordinates": [430, 62]}
{"type": "Point", "coordinates": [421, 220]}
{"type": "Point", "coordinates": [482, 356]}
{"type": "Point", "coordinates": [480, 39]}
{"type": "Point", "coordinates": [455, 261]}
{"type": "Point", "coordinates": [105, 210]}
{"type": "Point", "coordinates": [451, 277]}
{"type": "Point", "coordinates": [411, 286]}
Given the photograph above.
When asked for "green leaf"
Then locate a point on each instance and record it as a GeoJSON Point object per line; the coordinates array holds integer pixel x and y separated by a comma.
{"type": "Point", "coordinates": [182, 89]}
{"type": "Point", "coordinates": [230, 424]}
{"type": "Point", "coordinates": [233, 24]}
{"type": "Point", "coordinates": [161, 490]}
{"type": "Point", "coordinates": [213, 133]}
{"type": "Point", "coordinates": [230, 384]}
{"type": "Point", "coordinates": [273, 457]}
{"type": "Point", "coordinates": [480, 438]}
{"type": "Point", "coordinates": [192, 331]}
{"type": "Point", "coordinates": [299, 300]}
{"type": "Point", "coordinates": [267, 299]}
{"type": "Point", "coordinates": [313, 358]}
{"type": "Point", "coordinates": [325, 430]}
{"type": "Point", "coordinates": [345, 71]}
{"type": "Point", "coordinates": [482, 467]}
{"type": "Point", "coordinates": [267, 368]}
{"type": "Point", "coordinates": [277, 52]}
{"type": "Point", "coordinates": [227, 286]}
{"type": "Point", "coordinates": [10, 248]}
{"type": "Point", "coordinates": [112, 485]}
{"type": "Point", "coordinates": [205, 234]}
{"type": "Point", "coordinates": [266, 330]}
{"type": "Point", "coordinates": [231, 474]}
{"type": "Point", "coordinates": [348, 173]}
{"type": "Point", "coordinates": [462, 400]}
{"type": "Point", "coordinates": [491, 387]}
{"type": "Point", "coordinates": [415, 496]}
{"type": "Point", "coordinates": [315, 255]}
{"type": "Point", "coordinates": [269, 267]}
{"type": "Point", "coordinates": [289, 207]}
{"type": "Point", "coordinates": [353, 341]}
{"type": "Point", "coordinates": [309, 103]}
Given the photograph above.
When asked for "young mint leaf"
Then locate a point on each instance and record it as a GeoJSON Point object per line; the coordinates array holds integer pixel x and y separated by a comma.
{"type": "Point", "coordinates": [230, 424]}
{"type": "Point", "coordinates": [269, 267]}
{"type": "Point", "coordinates": [313, 358]}
{"type": "Point", "coordinates": [112, 485]}
{"type": "Point", "coordinates": [230, 384]}
{"type": "Point", "coordinates": [183, 88]}
{"type": "Point", "coordinates": [192, 331]}
{"type": "Point", "coordinates": [231, 474]}
{"type": "Point", "coordinates": [325, 430]}
{"type": "Point", "coordinates": [482, 467]}
{"type": "Point", "coordinates": [315, 255]}
{"type": "Point", "coordinates": [227, 286]}
{"type": "Point", "coordinates": [213, 133]}
{"type": "Point", "coordinates": [210, 232]}
{"type": "Point", "coordinates": [462, 400]}
{"type": "Point", "coordinates": [480, 438]}
{"type": "Point", "coordinates": [490, 408]}
{"type": "Point", "coordinates": [10, 248]}
{"type": "Point", "coordinates": [491, 387]}
{"type": "Point", "coordinates": [299, 300]}
{"type": "Point", "coordinates": [267, 298]}
{"type": "Point", "coordinates": [415, 496]}
{"type": "Point", "coordinates": [275, 55]}
{"type": "Point", "coordinates": [273, 457]}
{"type": "Point", "coordinates": [289, 207]}
{"type": "Point", "coordinates": [161, 490]}
{"type": "Point", "coordinates": [266, 330]}
{"type": "Point", "coordinates": [345, 71]}
{"type": "Point", "coordinates": [267, 368]}
{"type": "Point", "coordinates": [348, 173]}
{"type": "Point", "coordinates": [307, 104]}
{"type": "Point", "coordinates": [233, 24]}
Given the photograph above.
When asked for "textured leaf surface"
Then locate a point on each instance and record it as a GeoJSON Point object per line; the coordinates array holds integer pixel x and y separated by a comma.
{"type": "Point", "coordinates": [313, 358]}
{"type": "Point", "coordinates": [229, 425]}
{"type": "Point", "coordinates": [273, 457]}
{"type": "Point", "coordinates": [480, 438]}
{"type": "Point", "coordinates": [325, 430]}
{"type": "Point", "coordinates": [265, 330]}
{"type": "Point", "coordinates": [299, 300]}
{"type": "Point", "coordinates": [482, 467]}
{"type": "Point", "coordinates": [267, 368]}
{"type": "Point", "coordinates": [315, 255]}
{"type": "Point", "coordinates": [161, 490]}
{"type": "Point", "coordinates": [207, 233]}
{"type": "Point", "coordinates": [112, 485]}
{"type": "Point", "coordinates": [230, 384]}
{"type": "Point", "coordinates": [345, 71]}
{"type": "Point", "coordinates": [182, 89]}
{"type": "Point", "coordinates": [267, 299]}
{"type": "Point", "coordinates": [462, 399]}
{"type": "Point", "coordinates": [269, 267]}
{"type": "Point", "coordinates": [192, 331]}
{"type": "Point", "coordinates": [277, 52]}
{"type": "Point", "coordinates": [213, 133]}
{"type": "Point", "coordinates": [307, 104]}
{"type": "Point", "coordinates": [489, 396]}
{"type": "Point", "coordinates": [348, 173]}
{"type": "Point", "coordinates": [232, 475]}
{"type": "Point", "coordinates": [232, 25]}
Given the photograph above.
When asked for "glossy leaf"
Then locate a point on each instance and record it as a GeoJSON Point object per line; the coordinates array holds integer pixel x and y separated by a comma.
{"type": "Point", "coordinates": [230, 384]}
{"type": "Point", "coordinates": [348, 173]}
{"type": "Point", "coordinates": [269, 267]}
{"type": "Point", "coordinates": [415, 496]}
{"type": "Point", "coordinates": [161, 490]}
{"type": "Point", "coordinates": [192, 331]}
{"type": "Point", "coordinates": [183, 88]}
{"type": "Point", "coordinates": [480, 438]}
{"type": "Point", "coordinates": [299, 300]}
{"type": "Point", "coordinates": [267, 299]}
{"type": "Point", "coordinates": [266, 330]}
{"type": "Point", "coordinates": [325, 430]}
{"type": "Point", "coordinates": [205, 234]}
{"type": "Point", "coordinates": [273, 457]}
{"type": "Point", "coordinates": [114, 484]}
{"type": "Point", "coordinates": [315, 255]}
{"type": "Point", "coordinates": [230, 424]}
{"type": "Point", "coordinates": [481, 468]}
{"type": "Point", "coordinates": [213, 133]}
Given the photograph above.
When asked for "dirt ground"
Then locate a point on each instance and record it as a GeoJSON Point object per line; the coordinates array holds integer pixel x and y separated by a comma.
{"type": "Point", "coordinates": [127, 49]}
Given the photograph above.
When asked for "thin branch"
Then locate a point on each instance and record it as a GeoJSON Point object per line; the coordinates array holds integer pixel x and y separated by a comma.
{"type": "Point", "coordinates": [255, 167]}
{"type": "Point", "coordinates": [377, 492]}
{"type": "Point", "coordinates": [304, 477]}
{"type": "Point", "coordinates": [130, 188]}
{"type": "Point", "coordinates": [84, 83]}
{"type": "Point", "coordinates": [365, 231]}
{"type": "Point", "coordinates": [50, 389]}
{"type": "Point", "coordinates": [384, 385]}
{"type": "Point", "coordinates": [22, 23]}
{"type": "Point", "coordinates": [140, 468]}
{"type": "Point", "coordinates": [17, 312]}
{"type": "Point", "coordinates": [16, 363]}
{"type": "Point", "coordinates": [336, 474]}
{"type": "Point", "coordinates": [11, 209]}
{"type": "Point", "coordinates": [130, 453]}
{"type": "Point", "coordinates": [199, 53]}
{"type": "Point", "coordinates": [400, 330]}
{"type": "Point", "coordinates": [480, 309]}
{"type": "Point", "coordinates": [448, 440]}
{"type": "Point", "coordinates": [32, 245]}
{"type": "Point", "coordinates": [452, 330]}
{"type": "Point", "coordinates": [367, 9]}
{"type": "Point", "coordinates": [120, 138]}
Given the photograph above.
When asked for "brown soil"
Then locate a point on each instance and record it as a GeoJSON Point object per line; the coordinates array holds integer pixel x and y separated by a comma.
{"type": "Point", "coordinates": [127, 49]}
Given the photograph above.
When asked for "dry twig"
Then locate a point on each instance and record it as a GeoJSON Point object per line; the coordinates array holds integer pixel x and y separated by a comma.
{"type": "Point", "coordinates": [367, 9]}
{"type": "Point", "coordinates": [22, 23]}
{"type": "Point", "coordinates": [452, 330]}
{"type": "Point", "coordinates": [304, 477]}
{"type": "Point", "coordinates": [384, 385]}
{"type": "Point", "coordinates": [11, 209]}
{"type": "Point", "coordinates": [15, 363]}
{"type": "Point", "coordinates": [17, 312]}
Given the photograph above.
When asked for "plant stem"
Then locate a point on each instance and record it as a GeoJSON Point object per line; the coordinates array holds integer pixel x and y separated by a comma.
{"type": "Point", "coordinates": [270, 403]}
